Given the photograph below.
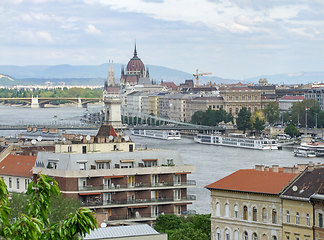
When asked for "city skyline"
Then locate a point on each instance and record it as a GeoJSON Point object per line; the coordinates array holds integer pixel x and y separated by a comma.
{"type": "Point", "coordinates": [231, 38]}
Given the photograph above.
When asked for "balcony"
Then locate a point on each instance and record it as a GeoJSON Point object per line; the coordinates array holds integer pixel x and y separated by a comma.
{"type": "Point", "coordinates": [138, 186]}
{"type": "Point", "coordinates": [129, 202]}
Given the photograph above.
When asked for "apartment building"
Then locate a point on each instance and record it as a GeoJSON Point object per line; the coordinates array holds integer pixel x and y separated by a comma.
{"type": "Point", "coordinates": [246, 204]}
{"type": "Point", "coordinates": [108, 174]}
{"type": "Point", "coordinates": [317, 94]}
{"type": "Point", "coordinates": [203, 103]}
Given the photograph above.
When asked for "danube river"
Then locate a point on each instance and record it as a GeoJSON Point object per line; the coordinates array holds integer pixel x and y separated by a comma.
{"type": "Point", "coordinates": [212, 162]}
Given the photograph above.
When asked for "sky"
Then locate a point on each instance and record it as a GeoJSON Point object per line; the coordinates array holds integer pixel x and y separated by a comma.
{"type": "Point", "coordinates": [234, 39]}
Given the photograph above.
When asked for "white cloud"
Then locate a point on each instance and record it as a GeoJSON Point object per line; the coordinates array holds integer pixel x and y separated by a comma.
{"type": "Point", "coordinates": [45, 36]}
{"type": "Point", "coordinates": [92, 30]}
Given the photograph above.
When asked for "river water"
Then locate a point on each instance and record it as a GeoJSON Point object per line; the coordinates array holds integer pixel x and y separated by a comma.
{"type": "Point", "coordinates": [212, 162]}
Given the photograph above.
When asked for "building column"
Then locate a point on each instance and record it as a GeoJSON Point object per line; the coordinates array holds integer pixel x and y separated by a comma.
{"type": "Point", "coordinates": [34, 102]}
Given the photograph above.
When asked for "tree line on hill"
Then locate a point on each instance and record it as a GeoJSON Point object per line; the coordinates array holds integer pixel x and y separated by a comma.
{"type": "Point", "coordinates": [301, 113]}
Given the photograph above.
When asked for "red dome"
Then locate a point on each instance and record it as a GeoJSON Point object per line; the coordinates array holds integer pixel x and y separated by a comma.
{"type": "Point", "coordinates": [135, 64]}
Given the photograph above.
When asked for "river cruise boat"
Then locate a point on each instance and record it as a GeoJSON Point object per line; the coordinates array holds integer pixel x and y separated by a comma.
{"type": "Point", "coordinates": [317, 147]}
{"type": "Point", "coordinates": [304, 152]}
{"type": "Point", "coordinates": [237, 140]}
{"type": "Point", "coordinates": [160, 134]}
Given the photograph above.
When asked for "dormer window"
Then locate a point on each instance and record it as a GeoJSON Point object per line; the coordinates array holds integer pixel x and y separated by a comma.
{"type": "Point", "coordinates": [150, 162]}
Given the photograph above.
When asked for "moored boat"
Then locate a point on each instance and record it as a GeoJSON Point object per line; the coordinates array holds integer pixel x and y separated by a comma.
{"type": "Point", "coordinates": [237, 140]}
{"type": "Point", "coordinates": [304, 152]}
{"type": "Point", "coordinates": [160, 134]}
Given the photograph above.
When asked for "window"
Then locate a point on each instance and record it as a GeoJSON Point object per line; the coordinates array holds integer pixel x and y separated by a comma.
{"type": "Point", "coordinates": [249, 109]}
{"type": "Point", "coordinates": [227, 210]}
{"type": "Point", "coordinates": [107, 183]}
{"type": "Point", "coordinates": [274, 237]}
{"type": "Point", "coordinates": [10, 183]}
{"type": "Point", "coordinates": [69, 148]}
{"type": "Point", "coordinates": [218, 234]}
{"type": "Point", "coordinates": [150, 163]}
{"type": "Point", "coordinates": [320, 220]}
{"type": "Point", "coordinates": [84, 149]}
{"type": "Point", "coordinates": [255, 236]}
{"type": "Point", "coordinates": [230, 110]}
{"type": "Point", "coordinates": [100, 166]}
{"type": "Point", "coordinates": [297, 218]}
{"type": "Point", "coordinates": [154, 211]}
{"type": "Point", "coordinates": [274, 216]}
{"type": "Point", "coordinates": [227, 235]}
{"type": "Point", "coordinates": [177, 194]}
{"type": "Point", "coordinates": [26, 183]}
{"type": "Point", "coordinates": [218, 209]}
{"type": "Point", "coordinates": [17, 183]}
{"type": "Point", "coordinates": [264, 215]}
{"type": "Point", "coordinates": [255, 97]}
{"type": "Point", "coordinates": [154, 179]}
{"type": "Point", "coordinates": [130, 181]}
{"type": "Point", "coordinates": [307, 220]}
{"type": "Point", "coordinates": [255, 109]}
{"type": "Point", "coordinates": [255, 214]}
{"type": "Point", "coordinates": [236, 235]}
{"type": "Point", "coordinates": [288, 217]}
{"type": "Point", "coordinates": [82, 166]}
{"type": "Point", "coordinates": [245, 213]}
{"type": "Point", "coordinates": [287, 238]}
{"type": "Point", "coordinates": [236, 211]}
{"type": "Point", "coordinates": [170, 161]}
{"type": "Point", "coordinates": [249, 97]}
{"type": "Point", "coordinates": [236, 110]}
{"type": "Point", "coordinates": [236, 98]}
{"type": "Point", "coordinates": [245, 236]}
{"type": "Point", "coordinates": [230, 98]}
{"type": "Point", "coordinates": [243, 97]}
{"type": "Point", "coordinates": [177, 180]}
{"type": "Point", "coordinates": [179, 210]}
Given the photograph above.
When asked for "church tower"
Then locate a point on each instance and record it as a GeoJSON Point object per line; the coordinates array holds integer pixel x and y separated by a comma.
{"type": "Point", "coordinates": [111, 81]}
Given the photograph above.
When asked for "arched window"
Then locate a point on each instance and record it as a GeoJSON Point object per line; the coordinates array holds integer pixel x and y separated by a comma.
{"type": "Point", "coordinates": [297, 218]}
{"type": "Point", "coordinates": [274, 237]}
{"type": "Point", "coordinates": [255, 214]}
{"type": "Point", "coordinates": [217, 209]}
{"type": "Point", "coordinates": [227, 235]}
{"type": "Point", "coordinates": [307, 220]}
{"type": "Point", "coordinates": [227, 210]}
{"type": "Point", "coordinates": [245, 236]}
{"type": "Point", "coordinates": [236, 211]}
{"type": "Point", "coordinates": [264, 237]}
{"type": "Point", "coordinates": [218, 234]}
{"type": "Point", "coordinates": [255, 236]}
{"type": "Point", "coordinates": [245, 213]}
{"type": "Point", "coordinates": [288, 217]}
{"type": "Point", "coordinates": [274, 216]}
{"type": "Point", "coordinates": [264, 215]}
{"type": "Point", "coordinates": [236, 235]}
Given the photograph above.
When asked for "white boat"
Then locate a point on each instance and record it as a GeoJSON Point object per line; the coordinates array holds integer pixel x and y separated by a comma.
{"type": "Point", "coordinates": [317, 147]}
{"type": "Point", "coordinates": [304, 152]}
{"type": "Point", "coordinates": [237, 140]}
{"type": "Point", "coordinates": [160, 134]}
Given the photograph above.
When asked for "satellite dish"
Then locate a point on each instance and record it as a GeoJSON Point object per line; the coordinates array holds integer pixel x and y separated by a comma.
{"type": "Point", "coordinates": [111, 137]}
{"type": "Point", "coordinates": [294, 188]}
{"type": "Point", "coordinates": [64, 139]}
{"type": "Point", "coordinates": [33, 141]}
{"type": "Point", "coordinates": [88, 137]}
{"type": "Point", "coordinates": [103, 225]}
{"type": "Point", "coordinates": [39, 138]}
{"type": "Point", "coordinates": [81, 137]}
{"type": "Point", "coordinates": [126, 138]}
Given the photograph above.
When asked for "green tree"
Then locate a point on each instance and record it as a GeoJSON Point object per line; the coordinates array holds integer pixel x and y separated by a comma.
{"type": "Point", "coordinates": [298, 111]}
{"type": "Point", "coordinates": [292, 131]}
{"type": "Point", "coordinates": [243, 120]}
{"type": "Point", "coordinates": [188, 234]}
{"type": "Point", "coordinates": [272, 112]}
{"type": "Point", "coordinates": [35, 223]}
{"type": "Point", "coordinates": [258, 125]}
{"type": "Point", "coordinates": [197, 118]}
{"type": "Point", "coordinates": [167, 222]}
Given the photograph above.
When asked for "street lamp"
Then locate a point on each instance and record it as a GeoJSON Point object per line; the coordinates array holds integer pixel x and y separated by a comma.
{"type": "Point", "coordinates": [316, 120]}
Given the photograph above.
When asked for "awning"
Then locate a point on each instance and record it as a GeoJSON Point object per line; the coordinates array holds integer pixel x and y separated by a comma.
{"type": "Point", "coordinates": [82, 161]}
{"type": "Point", "coordinates": [145, 160]}
{"type": "Point", "coordinates": [97, 193]}
{"type": "Point", "coordinates": [102, 161]}
{"type": "Point", "coordinates": [179, 204]}
{"type": "Point", "coordinates": [181, 173]}
{"type": "Point", "coordinates": [139, 206]}
{"type": "Point", "coordinates": [126, 161]}
{"type": "Point", "coordinates": [119, 176]}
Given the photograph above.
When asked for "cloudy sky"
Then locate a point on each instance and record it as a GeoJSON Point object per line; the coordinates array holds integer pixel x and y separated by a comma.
{"type": "Point", "coordinates": [230, 38]}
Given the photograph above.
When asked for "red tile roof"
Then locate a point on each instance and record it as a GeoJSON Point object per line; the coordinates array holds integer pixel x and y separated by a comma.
{"type": "Point", "coordinates": [17, 165]}
{"type": "Point", "coordinates": [292, 98]}
{"type": "Point", "coordinates": [250, 180]}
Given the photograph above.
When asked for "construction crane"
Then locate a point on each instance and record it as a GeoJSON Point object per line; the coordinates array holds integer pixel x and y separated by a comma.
{"type": "Point", "coordinates": [197, 76]}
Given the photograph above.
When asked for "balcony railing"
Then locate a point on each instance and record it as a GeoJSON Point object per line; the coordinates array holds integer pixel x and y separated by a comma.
{"type": "Point", "coordinates": [138, 201]}
{"type": "Point", "coordinates": [137, 185]}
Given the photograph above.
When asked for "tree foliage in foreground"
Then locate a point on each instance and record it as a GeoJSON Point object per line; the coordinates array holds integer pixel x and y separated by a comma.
{"type": "Point", "coordinates": [34, 222]}
{"type": "Point", "coordinates": [211, 117]}
{"type": "Point", "coordinates": [292, 131]}
{"type": "Point", "coordinates": [192, 227]}
{"type": "Point", "coordinates": [243, 120]}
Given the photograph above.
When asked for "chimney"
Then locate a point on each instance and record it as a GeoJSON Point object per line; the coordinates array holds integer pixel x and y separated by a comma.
{"type": "Point", "coordinates": [259, 168]}
{"type": "Point", "coordinates": [310, 166]}
{"type": "Point", "coordinates": [267, 169]}
{"type": "Point", "coordinates": [288, 170]}
{"type": "Point", "coordinates": [275, 168]}
{"type": "Point", "coordinates": [301, 167]}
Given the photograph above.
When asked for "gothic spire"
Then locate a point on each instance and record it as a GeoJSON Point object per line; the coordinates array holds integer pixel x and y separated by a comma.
{"type": "Point", "coordinates": [135, 52]}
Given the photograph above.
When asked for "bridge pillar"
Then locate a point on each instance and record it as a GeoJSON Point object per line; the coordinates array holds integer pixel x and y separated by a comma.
{"type": "Point", "coordinates": [34, 102]}
{"type": "Point", "coordinates": [79, 103]}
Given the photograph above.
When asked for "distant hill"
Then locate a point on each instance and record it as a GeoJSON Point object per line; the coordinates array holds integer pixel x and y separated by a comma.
{"type": "Point", "coordinates": [95, 75]}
